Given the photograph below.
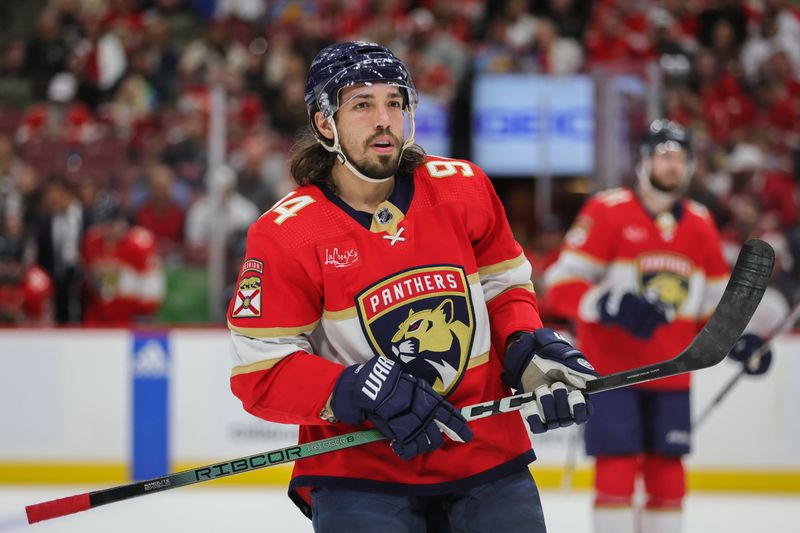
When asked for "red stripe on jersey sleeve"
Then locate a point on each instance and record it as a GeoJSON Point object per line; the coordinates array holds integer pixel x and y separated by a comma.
{"type": "Point", "coordinates": [292, 392]}
{"type": "Point", "coordinates": [513, 310]}
{"type": "Point", "coordinates": [562, 300]}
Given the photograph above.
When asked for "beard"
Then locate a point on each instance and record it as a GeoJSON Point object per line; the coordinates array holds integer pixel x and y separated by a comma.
{"type": "Point", "coordinates": [379, 167]}
{"type": "Point", "coordinates": [668, 187]}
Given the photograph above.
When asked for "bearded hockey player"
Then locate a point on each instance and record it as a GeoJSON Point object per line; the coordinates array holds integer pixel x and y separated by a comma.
{"type": "Point", "coordinates": [387, 291]}
{"type": "Point", "coordinates": [640, 273]}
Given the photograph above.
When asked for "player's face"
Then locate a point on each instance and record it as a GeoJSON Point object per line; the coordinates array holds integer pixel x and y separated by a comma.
{"type": "Point", "coordinates": [370, 124]}
{"type": "Point", "coordinates": [668, 169]}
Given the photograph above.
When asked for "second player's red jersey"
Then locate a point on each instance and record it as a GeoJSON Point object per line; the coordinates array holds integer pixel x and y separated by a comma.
{"type": "Point", "coordinates": [615, 244]}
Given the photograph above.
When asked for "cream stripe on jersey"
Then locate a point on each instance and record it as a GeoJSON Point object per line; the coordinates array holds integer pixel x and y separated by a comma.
{"type": "Point", "coordinates": [498, 282]}
{"type": "Point", "coordinates": [251, 354]}
{"type": "Point", "coordinates": [573, 266]}
{"type": "Point", "coordinates": [271, 333]}
{"type": "Point", "coordinates": [503, 265]}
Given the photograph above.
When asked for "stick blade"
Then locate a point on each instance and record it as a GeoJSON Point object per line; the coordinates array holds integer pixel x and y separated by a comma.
{"type": "Point", "coordinates": [743, 293]}
{"type": "Point", "coordinates": [746, 286]}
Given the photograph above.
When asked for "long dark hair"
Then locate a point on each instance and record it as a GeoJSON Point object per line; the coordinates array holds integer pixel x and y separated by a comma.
{"type": "Point", "coordinates": [311, 163]}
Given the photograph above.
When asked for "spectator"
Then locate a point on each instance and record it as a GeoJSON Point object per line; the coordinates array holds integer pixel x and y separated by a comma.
{"type": "Point", "coordinates": [557, 55]}
{"type": "Point", "coordinates": [775, 190]}
{"type": "Point", "coordinates": [13, 173]}
{"type": "Point", "coordinates": [222, 209]}
{"type": "Point", "coordinates": [161, 214]}
{"type": "Point", "coordinates": [260, 168]}
{"type": "Point", "coordinates": [568, 16]}
{"type": "Point", "coordinates": [16, 90]}
{"type": "Point", "coordinates": [26, 291]}
{"type": "Point", "coordinates": [46, 54]}
{"type": "Point", "coordinates": [205, 59]}
{"type": "Point", "coordinates": [99, 60]}
{"type": "Point", "coordinates": [61, 118]}
{"type": "Point", "coordinates": [161, 57]}
{"type": "Point", "coordinates": [57, 245]}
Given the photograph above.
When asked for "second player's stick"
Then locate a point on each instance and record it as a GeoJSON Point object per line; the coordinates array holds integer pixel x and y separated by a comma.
{"type": "Point", "coordinates": [741, 297]}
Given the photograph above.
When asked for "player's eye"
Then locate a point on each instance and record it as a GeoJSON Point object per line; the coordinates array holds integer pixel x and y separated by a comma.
{"type": "Point", "coordinates": [396, 104]}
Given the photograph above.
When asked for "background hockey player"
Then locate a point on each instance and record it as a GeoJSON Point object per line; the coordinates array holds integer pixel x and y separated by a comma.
{"type": "Point", "coordinates": [387, 290]}
{"type": "Point", "coordinates": [640, 272]}
{"type": "Point", "coordinates": [124, 275]}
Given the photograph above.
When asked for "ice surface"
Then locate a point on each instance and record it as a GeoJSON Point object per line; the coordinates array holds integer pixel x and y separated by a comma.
{"type": "Point", "coordinates": [211, 509]}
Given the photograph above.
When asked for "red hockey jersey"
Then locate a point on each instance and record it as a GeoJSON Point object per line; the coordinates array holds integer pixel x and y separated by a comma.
{"type": "Point", "coordinates": [615, 243]}
{"type": "Point", "coordinates": [125, 278]}
{"type": "Point", "coordinates": [434, 280]}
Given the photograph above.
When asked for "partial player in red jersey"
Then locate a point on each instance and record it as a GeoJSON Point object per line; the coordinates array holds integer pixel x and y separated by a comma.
{"type": "Point", "coordinates": [387, 290]}
{"type": "Point", "coordinates": [640, 273]}
{"type": "Point", "coordinates": [124, 277]}
{"type": "Point", "coordinates": [26, 291]}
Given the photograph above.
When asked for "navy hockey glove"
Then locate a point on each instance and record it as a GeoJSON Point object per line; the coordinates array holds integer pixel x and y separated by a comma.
{"type": "Point", "coordinates": [744, 350]}
{"type": "Point", "coordinates": [638, 315]}
{"type": "Point", "coordinates": [545, 363]}
{"type": "Point", "coordinates": [404, 408]}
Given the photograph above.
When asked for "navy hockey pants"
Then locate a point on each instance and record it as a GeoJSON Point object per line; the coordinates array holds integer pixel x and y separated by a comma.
{"type": "Point", "coordinates": [508, 505]}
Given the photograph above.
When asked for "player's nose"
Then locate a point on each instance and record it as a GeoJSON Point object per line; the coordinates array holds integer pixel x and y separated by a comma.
{"type": "Point", "coordinates": [382, 119]}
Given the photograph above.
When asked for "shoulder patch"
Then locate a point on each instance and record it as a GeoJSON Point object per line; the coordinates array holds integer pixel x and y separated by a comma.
{"type": "Point", "coordinates": [253, 265]}
{"type": "Point", "coordinates": [247, 301]}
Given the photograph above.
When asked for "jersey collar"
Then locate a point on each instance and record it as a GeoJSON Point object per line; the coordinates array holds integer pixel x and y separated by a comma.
{"type": "Point", "coordinates": [401, 197]}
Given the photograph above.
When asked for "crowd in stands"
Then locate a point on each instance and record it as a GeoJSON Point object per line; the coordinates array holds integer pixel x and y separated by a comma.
{"type": "Point", "coordinates": [104, 118]}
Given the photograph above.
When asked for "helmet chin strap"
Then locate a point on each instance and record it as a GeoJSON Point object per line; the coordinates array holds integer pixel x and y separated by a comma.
{"type": "Point", "coordinates": [336, 148]}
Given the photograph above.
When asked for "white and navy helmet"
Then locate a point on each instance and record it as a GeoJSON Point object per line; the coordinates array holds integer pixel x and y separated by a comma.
{"type": "Point", "coordinates": [351, 63]}
{"type": "Point", "coordinates": [666, 135]}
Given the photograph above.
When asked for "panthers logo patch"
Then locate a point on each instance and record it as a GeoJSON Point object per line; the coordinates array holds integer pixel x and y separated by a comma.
{"type": "Point", "coordinates": [423, 319]}
{"type": "Point", "coordinates": [665, 276]}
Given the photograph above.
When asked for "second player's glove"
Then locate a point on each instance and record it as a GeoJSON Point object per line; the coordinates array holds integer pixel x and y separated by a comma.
{"type": "Point", "coordinates": [636, 314]}
{"type": "Point", "coordinates": [544, 363]}
{"type": "Point", "coordinates": [744, 352]}
{"type": "Point", "coordinates": [404, 408]}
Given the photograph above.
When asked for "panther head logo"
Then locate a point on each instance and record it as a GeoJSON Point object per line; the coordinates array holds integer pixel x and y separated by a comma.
{"type": "Point", "coordinates": [428, 341]}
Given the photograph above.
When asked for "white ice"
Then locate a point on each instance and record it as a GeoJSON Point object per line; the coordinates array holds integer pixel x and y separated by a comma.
{"type": "Point", "coordinates": [253, 510]}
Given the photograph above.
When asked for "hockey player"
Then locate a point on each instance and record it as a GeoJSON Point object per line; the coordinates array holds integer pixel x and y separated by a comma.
{"type": "Point", "coordinates": [640, 272]}
{"type": "Point", "coordinates": [388, 291]}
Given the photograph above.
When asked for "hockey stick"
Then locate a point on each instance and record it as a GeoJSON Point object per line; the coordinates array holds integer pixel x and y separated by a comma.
{"type": "Point", "coordinates": [740, 299]}
{"type": "Point", "coordinates": [754, 359]}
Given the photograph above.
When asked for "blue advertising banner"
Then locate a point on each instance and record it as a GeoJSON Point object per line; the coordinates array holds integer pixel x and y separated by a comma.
{"type": "Point", "coordinates": [528, 124]}
{"type": "Point", "coordinates": [432, 120]}
{"type": "Point", "coordinates": [151, 364]}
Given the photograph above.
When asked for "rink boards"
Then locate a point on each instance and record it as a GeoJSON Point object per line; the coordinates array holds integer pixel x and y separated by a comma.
{"type": "Point", "coordinates": [107, 406]}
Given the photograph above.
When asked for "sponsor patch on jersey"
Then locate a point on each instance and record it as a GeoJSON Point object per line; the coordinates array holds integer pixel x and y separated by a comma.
{"type": "Point", "coordinates": [247, 303]}
{"type": "Point", "coordinates": [423, 319]}
{"type": "Point", "coordinates": [335, 257]}
{"type": "Point", "coordinates": [665, 276]}
{"type": "Point", "coordinates": [252, 265]}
